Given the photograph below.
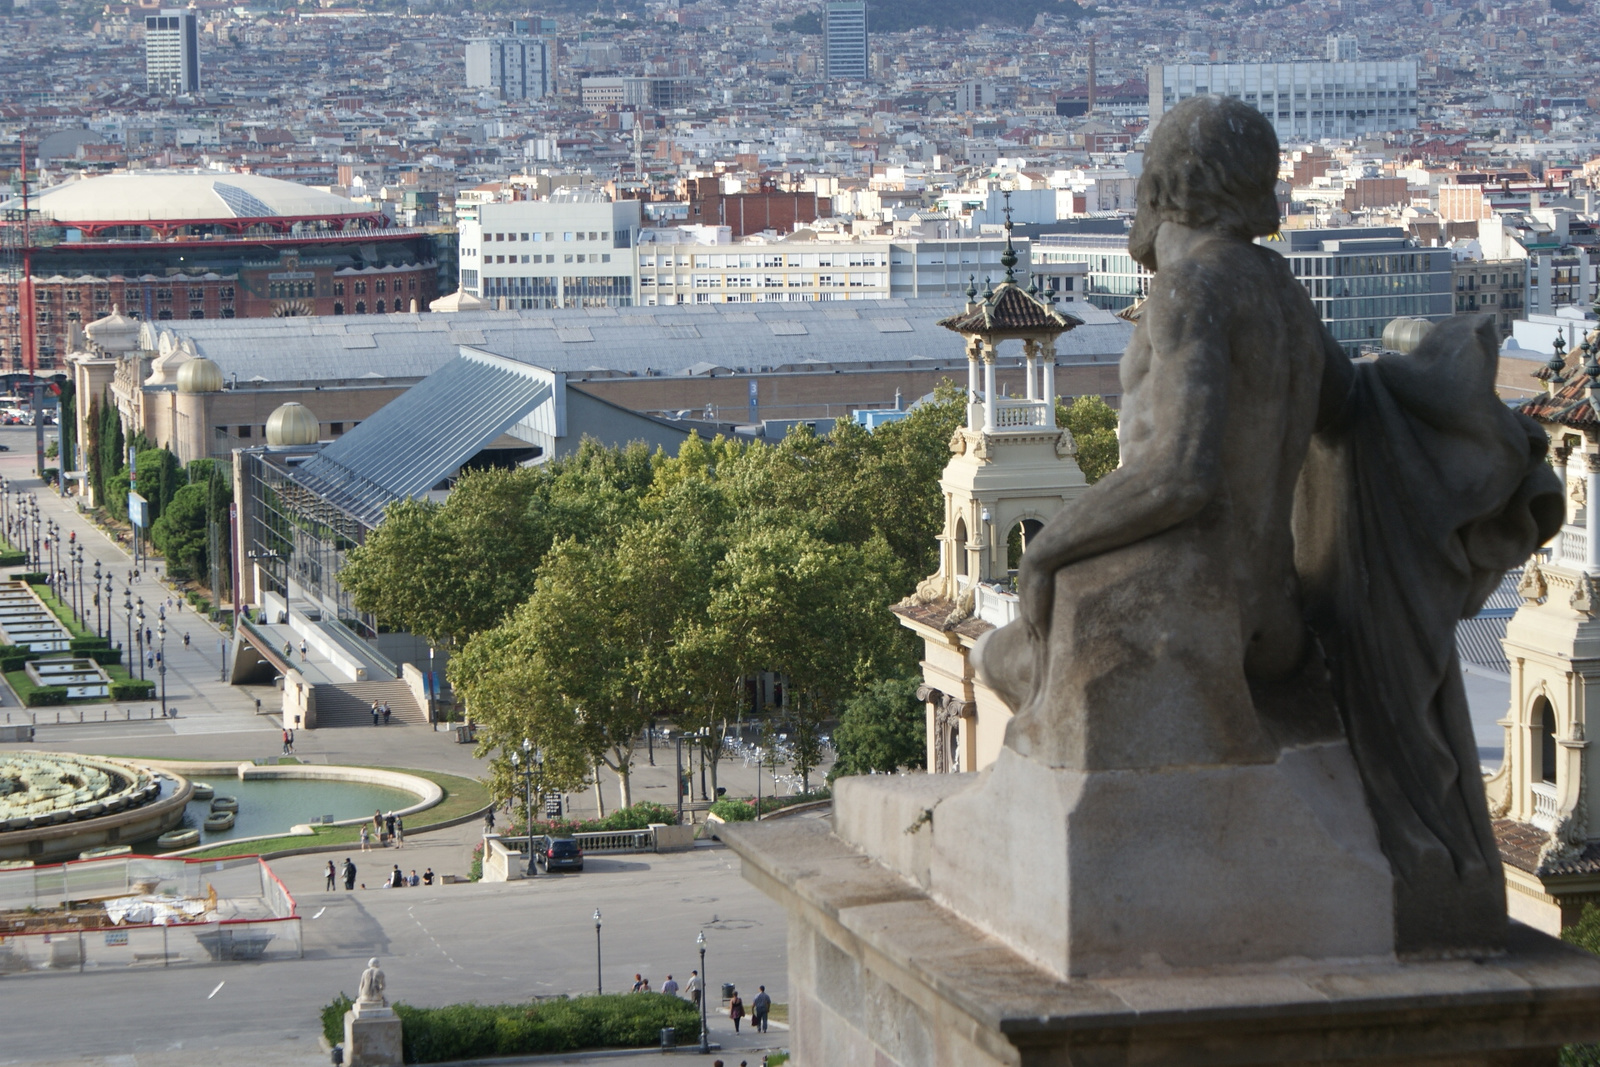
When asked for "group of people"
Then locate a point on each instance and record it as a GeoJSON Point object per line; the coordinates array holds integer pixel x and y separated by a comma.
{"type": "Point", "coordinates": [397, 879]}
{"type": "Point", "coordinates": [380, 713]}
{"type": "Point", "coordinates": [760, 1007]}
{"type": "Point", "coordinates": [387, 829]}
{"type": "Point", "coordinates": [288, 742]}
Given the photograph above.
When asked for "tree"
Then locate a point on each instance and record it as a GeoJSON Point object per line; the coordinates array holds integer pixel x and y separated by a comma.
{"type": "Point", "coordinates": [1094, 428]}
{"type": "Point", "coordinates": [181, 533]}
{"type": "Point", "coordinates": [883, 728]}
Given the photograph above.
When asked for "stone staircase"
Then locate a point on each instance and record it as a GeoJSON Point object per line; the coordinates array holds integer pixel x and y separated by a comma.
{"type": "Point", "coordinates": [350, 704]}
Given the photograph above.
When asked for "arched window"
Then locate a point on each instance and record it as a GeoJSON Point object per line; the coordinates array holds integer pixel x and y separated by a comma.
{"type": "Point", "coordinates": [961, 547]}
{"type": "Point", "coordinates": [1545, 722]}
{"type": "Point", "coordinates": [338, 307]}
{"type": "Point", "coordinates": [1017, 541]}
{"type": "Point", "coordinates": [361, 307]}
{"type": "Point", "coordinates": [381, 308]}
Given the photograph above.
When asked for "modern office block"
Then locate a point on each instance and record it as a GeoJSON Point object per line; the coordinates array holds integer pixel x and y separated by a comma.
{"type": "Point", "coordinates": [1341, 48]}
{"type": "Point", "coordinates": [844, 40]}
{"type": "Point", "coordinates": [1304, 101]}
{"type": "Point", "coordinates": [516, 68]}
{"type": "Point", "coordinates": [172, 52]}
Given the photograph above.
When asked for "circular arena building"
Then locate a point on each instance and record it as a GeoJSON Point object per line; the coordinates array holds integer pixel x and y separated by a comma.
{"type": "Point", "coordinates": [55, 805]}
{"type": "Point", "coordinates": [164, 245]}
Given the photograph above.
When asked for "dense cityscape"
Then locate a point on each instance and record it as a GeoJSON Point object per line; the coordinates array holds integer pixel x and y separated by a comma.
{"type": "Point", "coordinates": [721, 501]}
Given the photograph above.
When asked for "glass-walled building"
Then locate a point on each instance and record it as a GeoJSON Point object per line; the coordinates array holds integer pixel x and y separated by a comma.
{"type": "Point", "coordinates": [1114, 281]}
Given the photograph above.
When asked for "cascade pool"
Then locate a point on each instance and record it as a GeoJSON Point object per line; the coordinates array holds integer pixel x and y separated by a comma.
{"type": "Point", "coordinates": [273, 806]}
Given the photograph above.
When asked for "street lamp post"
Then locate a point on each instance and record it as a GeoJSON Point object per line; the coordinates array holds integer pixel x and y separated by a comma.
{"type": "Point", "coordinates": [139, 636]}
{"type": "Point", "coordinates": [97, 628]}
{"type": "Point", "coordinates": [677, 781]}
{"type": "Point", "coordinates": [599, 984]}
{"type": "Point", "coordinates": [527, 785]}
{"type": "Point", "coordinates": [705, 995]}
{"type": "Point", "coordinates": [161, 657]}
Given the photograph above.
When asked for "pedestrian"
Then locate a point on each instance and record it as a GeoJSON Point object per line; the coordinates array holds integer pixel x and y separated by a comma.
{"type": "Point", "coordinates": [349, 874]}
{"type": "Point", "coordinates": [413, 880]}
{"type": "Point", "coordinates": [397, 878]}
{"type": "Point", "coordinates": [736, 1010]}
{"type": "Point", "coordinates": [374, 713]}
{"type": "Point", "coordinates": [302, 650]}
{"type": "Point", "coordinates": [388, 823]}
{"type": "Point", "coordinates": [377, 822]}
{"type": "Point", "coordinates": [759, 1008]}
{"type": "Point", "coordinates": [286, 742]}
{"type": "Point", "coordinates": [150, 660]}
{"type": "Point", "coordinates": [185, 636]}
{"type": "Point", "coordinates": [427, 876]}
{"type": "Point", "coordinates": [149, 636]}
{"type": "Point", "coordinates": [638, 983]}
{"type": "Point", "coordinates": [258, 705]}
{"type": "Point", "coordinates": [693, 988]}
{"type": "Point", "coordinates": [333, 876]}
{"type": "Point", "coordinates": [399, 834]}
{"type": "Point", "coordinates": [488, 821]}
{"type": "Point", "coordinates": [386, 713]}
{"type": "Point", "coordinates": [366, 838]}
{"type": "Point", "coordinates": [669, 987]}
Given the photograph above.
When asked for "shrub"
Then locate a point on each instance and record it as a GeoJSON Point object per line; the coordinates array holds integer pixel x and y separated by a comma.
{"type": "Point", "coordinates": [40, 696]}
{"type": "Point", "coordinates": [10, 557]}
{"type": "Point", "coordinates": [105, 656]}
{"type": "Point", "coordinates": [638, 817]}
{"type": "Point", "coordinates": [88, 644]}
{"type": "Point", "coordinates": [475, 872]}
{"type": "Point", "coordinates": [734, 810]}
{"type": "Point", "coordinates": [470, 1031]}
{"type": "Point", "coordinates": [333, 1019]}
{"type": "Point", "coordinates": [133, 689]}
{"type": "Point", "coordinates": [31, 577]}
{"type": "Point", "coordinates": [1585, 933]}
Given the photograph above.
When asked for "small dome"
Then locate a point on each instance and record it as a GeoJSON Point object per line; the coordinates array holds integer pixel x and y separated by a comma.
{"type": "Point", "coordinates": [199, 375]}
{"type": "Point", "coordinates": [1404, 335]}
{"type": "Point", "coordinates": [292, 424]}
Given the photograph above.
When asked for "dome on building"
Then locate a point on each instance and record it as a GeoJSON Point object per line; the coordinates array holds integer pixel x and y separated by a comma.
{"type": "Point", "coordinates": [292, 424]}
{"type": "Point", "coordinates": [199, 375]}
{"type": "Point", "coordinates": [177, 196]}
{"type": "Point", "coordinates": [1404, 335]}
{"type": "Point", "coordinates": [114, 333]}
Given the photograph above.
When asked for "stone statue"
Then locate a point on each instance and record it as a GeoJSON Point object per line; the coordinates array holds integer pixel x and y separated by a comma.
{"type": "Point", "coordinates": [1281, 558]}
{"type": "Point", "coordinates": [371, 991]}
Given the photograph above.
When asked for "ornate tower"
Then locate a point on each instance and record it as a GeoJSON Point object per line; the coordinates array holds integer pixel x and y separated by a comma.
{"type": "Point", "coordinates": [1547, 817]}
{"type": "Point", "coordinates": [1011, 469]}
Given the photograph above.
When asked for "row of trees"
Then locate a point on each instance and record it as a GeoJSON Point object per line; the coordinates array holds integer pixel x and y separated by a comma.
{"type": "Point", "coordinates": [589, 596]}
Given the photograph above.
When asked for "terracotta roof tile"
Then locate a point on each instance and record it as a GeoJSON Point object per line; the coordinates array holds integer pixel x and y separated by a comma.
{"type": "Point", "coordinates": [1011, 309]}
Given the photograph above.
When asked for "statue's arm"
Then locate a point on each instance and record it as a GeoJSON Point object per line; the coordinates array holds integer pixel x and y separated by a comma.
{"type": "Point", "coordinates": [1338, 375]}
{"type": "Point", "coordinates": [1168, 476]}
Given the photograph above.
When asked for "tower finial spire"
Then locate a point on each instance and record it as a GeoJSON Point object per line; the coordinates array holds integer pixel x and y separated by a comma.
{"type": "Point", "coordinates": [1008, 258]}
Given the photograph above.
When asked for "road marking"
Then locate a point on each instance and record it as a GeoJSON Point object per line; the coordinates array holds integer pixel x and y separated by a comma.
{"type": "Point", "coordinates": [214, 992]}
{"type": "Point", "coordinates": [318, 915]}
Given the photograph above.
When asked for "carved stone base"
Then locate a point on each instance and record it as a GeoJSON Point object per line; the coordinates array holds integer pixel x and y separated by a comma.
{"type": "Point", "coordinates": [879, 973]}
{"type": "Point", "coordinates": [372, 1037]}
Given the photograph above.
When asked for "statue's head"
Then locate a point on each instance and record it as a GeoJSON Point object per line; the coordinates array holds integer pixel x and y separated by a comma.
{"type": "Point", "coordinates": [1212, 164]}
{"type": "Point", "coordinates": [373, 962]}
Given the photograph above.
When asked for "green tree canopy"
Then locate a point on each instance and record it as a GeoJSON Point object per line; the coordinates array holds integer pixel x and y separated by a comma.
{"type": "Point", "coordinates": [883, 728]}
{"type": "Point", "coordinates": [1093, 423]}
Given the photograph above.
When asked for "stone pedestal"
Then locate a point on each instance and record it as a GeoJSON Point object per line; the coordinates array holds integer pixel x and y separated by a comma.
{"type": "Point", "coordinates": [882, 971]}
{"type": "Point", "coordinates": [372, 1037]}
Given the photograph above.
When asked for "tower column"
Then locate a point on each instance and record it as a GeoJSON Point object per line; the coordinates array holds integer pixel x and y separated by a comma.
{"type": "Point", "coordinates": [988, 388]}
{"type": "Point", "coordinates": [974, 348]}
{"type": "Point", "coordinates": [1030, 348]}
{"type": "Point", "coordinates": [1047, 351]}
{"type": "Point", "coordinates": [1591, 561]}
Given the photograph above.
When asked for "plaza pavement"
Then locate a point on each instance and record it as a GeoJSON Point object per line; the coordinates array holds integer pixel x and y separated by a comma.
{"type": "Point", "coordinates": [489, 943]}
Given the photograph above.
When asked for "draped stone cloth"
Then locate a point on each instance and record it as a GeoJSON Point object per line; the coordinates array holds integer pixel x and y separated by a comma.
{"type": "Point", "coordinates": [1419, 491]}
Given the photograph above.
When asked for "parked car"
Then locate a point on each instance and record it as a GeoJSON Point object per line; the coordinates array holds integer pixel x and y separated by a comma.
{"type": "Point", "coordinates": [560, 854]}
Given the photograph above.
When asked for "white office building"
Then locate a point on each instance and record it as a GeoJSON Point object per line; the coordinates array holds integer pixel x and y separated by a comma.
{"type": "Point", "coordinates": [572, 250]}
{"type": "Point", "coordinates": [172, 52]}
{"type": "Point", "coordinates": [1304, 101]}
{"type": "Point", "coordinates": [844, 40]}
{"type": "Point", "coordinates": [516, 68]}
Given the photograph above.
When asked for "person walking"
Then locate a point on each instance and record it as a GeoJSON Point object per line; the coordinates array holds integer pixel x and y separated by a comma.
{"type": "Point", "coordinates": [388, 823]}
{"type": "Point", "coordinates": [693, 988]}
{"type": "Point", "coordinates": [302, 650]}
{"type": "Point", "coordinates": [333, 877]}
{"type": "Point", "coordinates": [399, 833]}
{"type": "Point", "coordinates": [736, 1010]}
{"type": "Point", "coordinates": [366, 838]}
{"type": "Point", "coordinates": [286, 742]}
{"type": "Point", "coordinates": [669, 987]}
{"type": "Point", "coordinates": [759, 1008]}
{"type": "Point", "coordinates": [374, 713]}
{"type": "Point", "coordinates": [639, 984]}
{"type": "Point", "coordinates": [377, 822]}
{"type": "Point", "coordinates": [386, 713]}
{"type": "Point", "coordinates": [349, 874]}
{"type": "Point", "coordinates": [488, 822]}
{"type": "Point", "coordinates": [185, 636]}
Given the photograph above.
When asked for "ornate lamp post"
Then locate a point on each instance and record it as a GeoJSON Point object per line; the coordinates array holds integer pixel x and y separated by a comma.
{"type": "Point", "coordinates": [705, 995]}
{"type": "Point", "coordinates": [139, 636]}
{"type": "Point", "coordinates": [599, 985]}
{"type": "Point", "coordinates": [97, 628]}
{"type": "Point", "coordinates": [524, 760]}
{"type": "Point", "coordinates": [161, 657]}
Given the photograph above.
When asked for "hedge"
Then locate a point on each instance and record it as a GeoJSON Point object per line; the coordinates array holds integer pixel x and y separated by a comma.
{"type": "Point", "coordinates": [104, 656]}
{"type": "Point", "coordinates": [133, 690]}
{"type": "Point", "coordinates": [34, 695]}
{"type": "Point", "coordinates": [563, 1024]}
{"type": "Point", "coordinates": [31, 577]}
{"type": "Point", "coordinates": [10, 557]}
{"type": "Point", "coordinates": [637, 817]}
{"type": "Point", "coordinates": [734, 810]}
{"type": "Point", "coordinates": [88, 644]}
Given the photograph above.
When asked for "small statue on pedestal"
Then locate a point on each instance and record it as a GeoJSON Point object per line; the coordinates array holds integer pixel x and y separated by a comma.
{"type": "Point", "coordinates": [370, 993]}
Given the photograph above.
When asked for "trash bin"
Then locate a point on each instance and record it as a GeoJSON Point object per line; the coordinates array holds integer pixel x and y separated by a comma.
{"type": "Point", "coordinates": [728, 991]}
{"type": "Point", "coordinates": [462, 737]}
{"type": "Point", "coordinates": [669, 1038]}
